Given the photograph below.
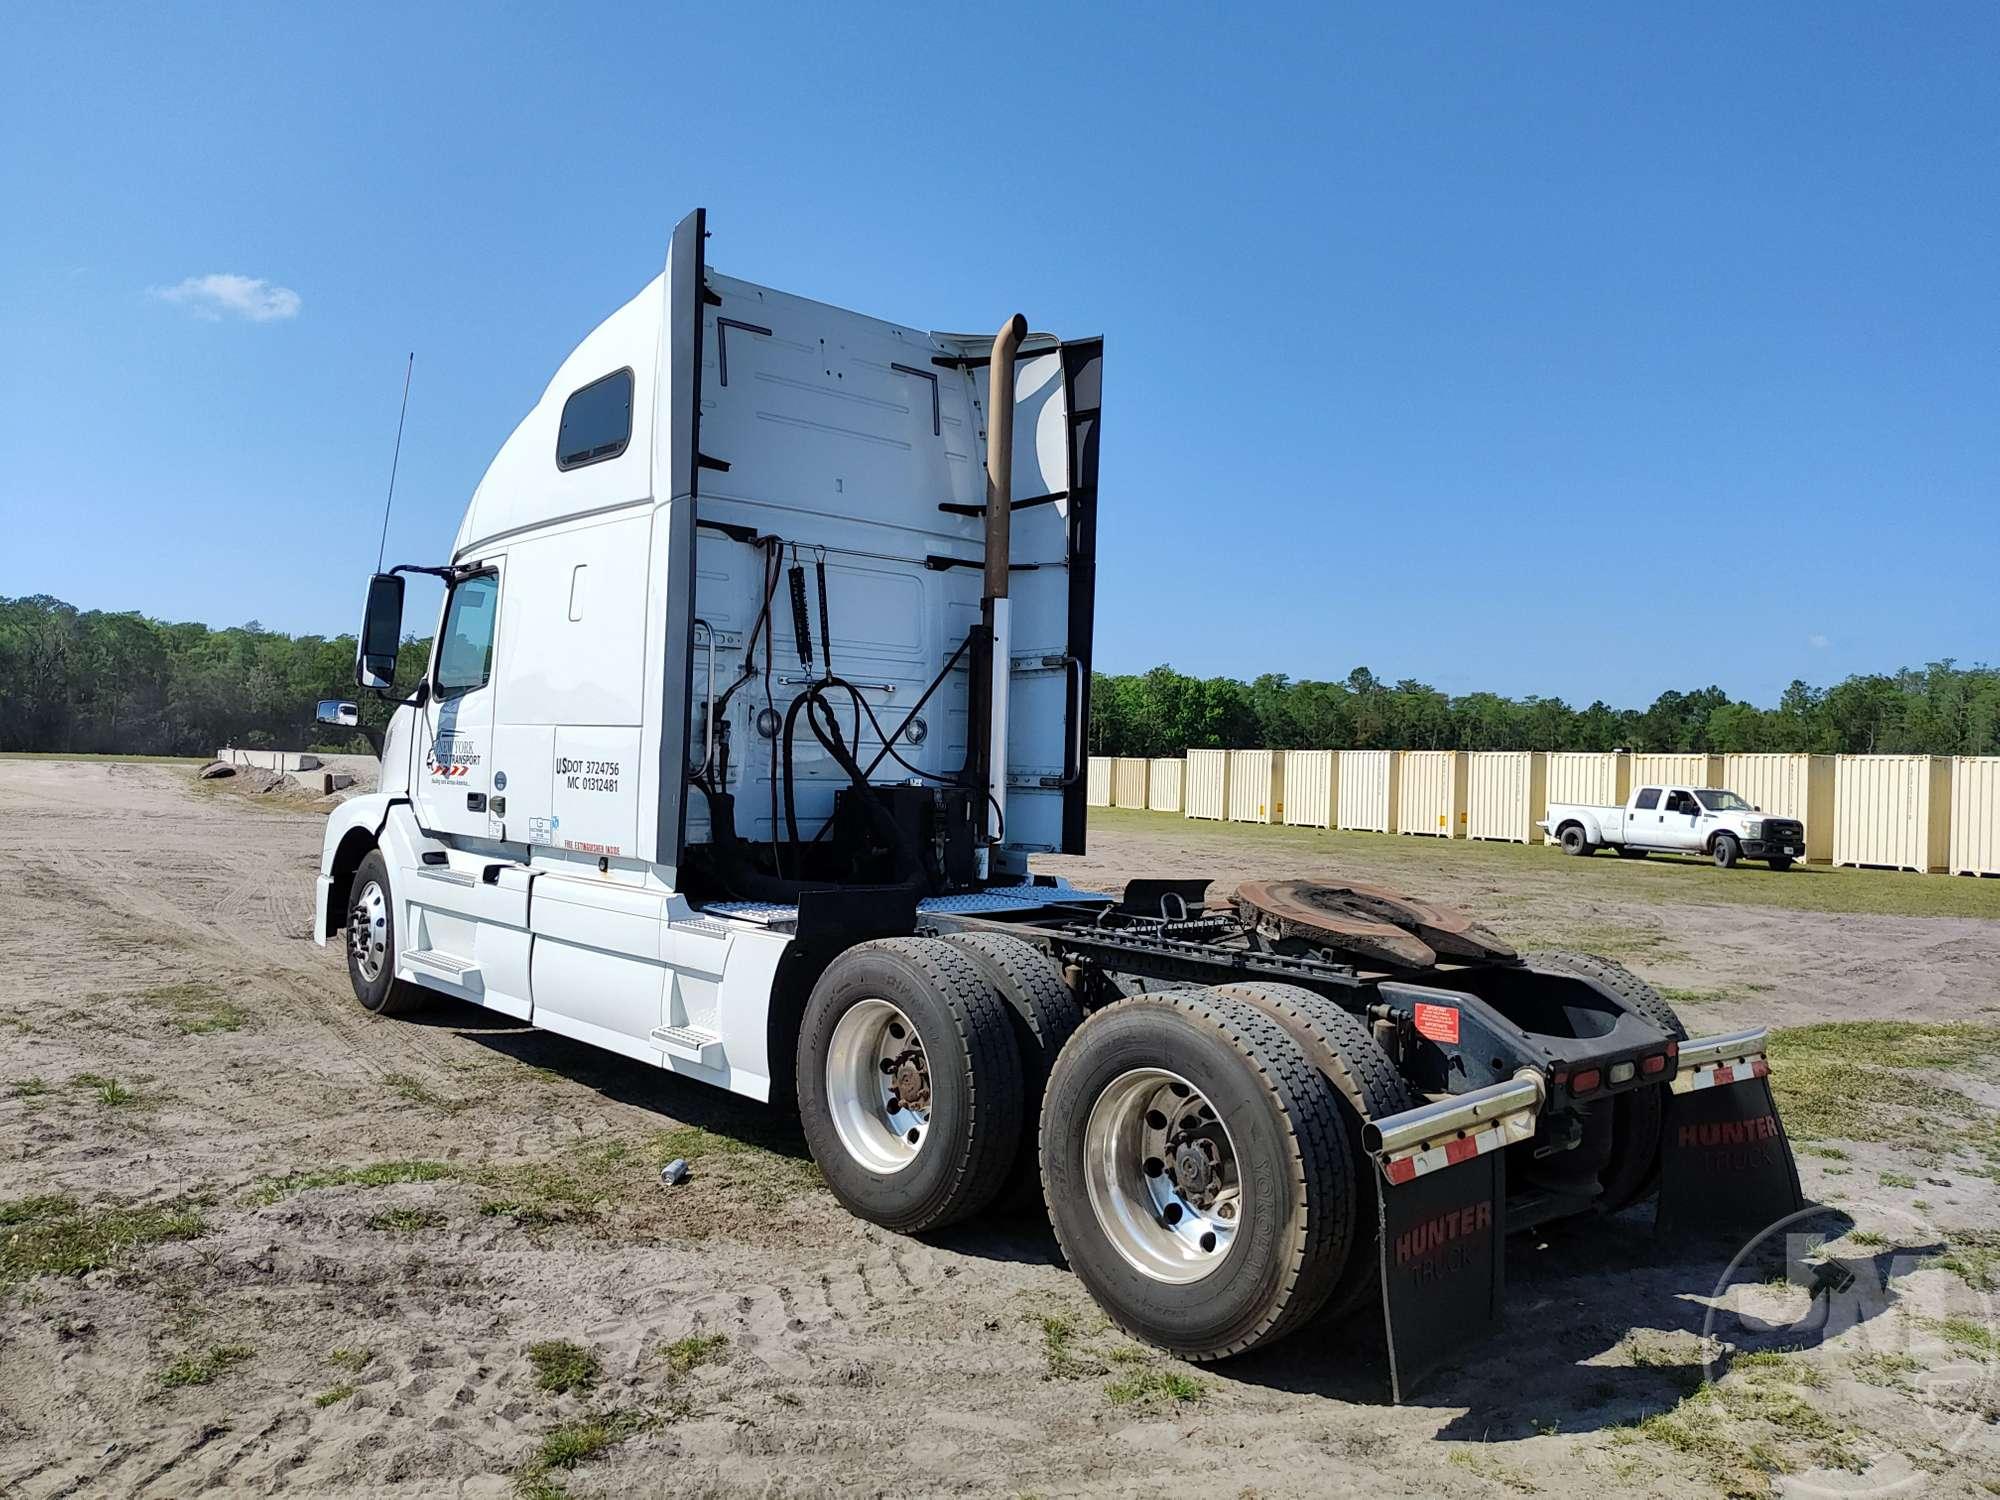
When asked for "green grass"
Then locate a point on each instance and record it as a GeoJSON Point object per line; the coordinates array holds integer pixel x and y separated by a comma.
{"type": "Point", "coordinates": [580, 1184]}
{"type": "Point", "coordinates": [196, 1009]}
{"type": "Point", "coordinates": [1973, 1256]}
{"type": "Point", "coordinates": [206, 1366]}
{"type": "Point", "coordinates": [575, 1443]}
{"type": "Point", "coordinates": [1498, 1471]}
{"type": "Point", "coordinates": [423, 1095]}
{"type": "Point", "coordinates": [52, 1235]}
{"type": "Point", "coordinates": [694, 1351]}
{"type": "Point", "coordinates": [334, 1395]}
{"type": "Point", "coordinates": [1661, 880]}
{"type": "Point", "coordinates": [354, 1360]}
{"type": "Point", "coordinates": [26, 1088]}
{"type": "Point", "coordinates": [1752, 1425]}
{"type": "Point", "coordinates": [1896, 1180]}
{"type": "Point", "coordinates": [563, 1367]}
{"type": "Point", "coordinates": [1876, 1080]}
{"type": "Point", "coordinates": [406, 1220]}
{"type": "Point", "coordinates": [1695, 997]}
{"type": "Point", "coordinates": [376, 1174]}
{"type": "Point", "coordinates": [1974, 1335]}
{"type": "Point", "coordinates": [109, 1090]}
{"type": "Point", "coordinates": [1155, 1388]}
{"type": "Point", "coordinates": [1059, 1355]}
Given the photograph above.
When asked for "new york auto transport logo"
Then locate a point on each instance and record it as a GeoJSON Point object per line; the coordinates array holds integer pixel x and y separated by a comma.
{"type": "Point", "coordinates": [1802, 1289]}
{"type": "Point", "coordinates": [450, 756]}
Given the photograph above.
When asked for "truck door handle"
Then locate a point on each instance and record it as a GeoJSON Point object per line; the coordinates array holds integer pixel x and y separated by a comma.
{"type": "Point", "coordinates": [475, 802]}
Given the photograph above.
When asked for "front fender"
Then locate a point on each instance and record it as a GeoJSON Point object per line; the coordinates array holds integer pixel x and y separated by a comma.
{"type": "Point", "coordinates": [377, 820]}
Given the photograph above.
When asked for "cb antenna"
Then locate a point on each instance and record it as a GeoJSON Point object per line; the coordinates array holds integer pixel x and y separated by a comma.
{"type": "Point", "coordinates": [396, 458]}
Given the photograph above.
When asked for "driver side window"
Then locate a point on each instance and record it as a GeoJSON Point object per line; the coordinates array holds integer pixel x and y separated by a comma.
{"type": "Point", "coordinates": [1681, 802]}
{"type": "Point", "coordinates": [465, 648]}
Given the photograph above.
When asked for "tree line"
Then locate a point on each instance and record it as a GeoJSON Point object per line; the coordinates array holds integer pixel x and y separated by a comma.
{"type": "Point", "coordinates": [1940, 709]}
{"type": "Point", "coordinates": [92, 682]}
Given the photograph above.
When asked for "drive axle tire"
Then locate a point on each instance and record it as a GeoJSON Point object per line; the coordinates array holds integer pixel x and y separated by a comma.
{"type": "Point", "coordinates": [909, 1083]}
{"type": "Point", "coordinates": [1726, 851]}
{"type": "Point", "coordinates": [1196, 1171]}
{"type": "Point", "coordinates": [1045, 1015]}
{"type": "Point", "coordinates": [1636, 1117]}
{"type": "Point", "coordinates": [371, 943]}
{"type": "Point", "coordinates": [1575, 841]}
{"type": "Point", "coordinates": [1368, 1086]}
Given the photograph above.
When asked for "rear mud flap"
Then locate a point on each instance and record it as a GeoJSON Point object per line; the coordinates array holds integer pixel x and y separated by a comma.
{"type": "Point", "coordinates": [1443, 1264]}
{"type": "Point", "coordinates": [1724, 1161]}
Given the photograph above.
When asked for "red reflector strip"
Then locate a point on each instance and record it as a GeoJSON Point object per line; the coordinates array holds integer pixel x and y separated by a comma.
{"type": "Point", "coordinates": [1720, 1075]}
{"type": "Point", "coordinates": [1407, 1165]}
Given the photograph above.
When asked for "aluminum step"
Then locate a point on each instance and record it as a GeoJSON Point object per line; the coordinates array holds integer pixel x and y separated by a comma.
{"type": "Point", "coordinates": [458, 970]}
{"type": "Point", "coordinates": [690, 1044]}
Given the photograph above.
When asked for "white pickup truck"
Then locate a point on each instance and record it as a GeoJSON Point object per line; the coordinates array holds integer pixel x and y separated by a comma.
{"type": "Point", "coordinates": [1678, 820]}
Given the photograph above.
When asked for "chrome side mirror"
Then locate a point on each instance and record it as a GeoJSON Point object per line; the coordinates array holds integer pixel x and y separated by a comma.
{"type": "Point", "coordinates": [338, 711]}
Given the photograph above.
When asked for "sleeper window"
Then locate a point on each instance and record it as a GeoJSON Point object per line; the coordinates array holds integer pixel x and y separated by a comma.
{"type": "Point", "coordinates": [596, 422]}
{"type": "Point", "coordinates": [465, 651]}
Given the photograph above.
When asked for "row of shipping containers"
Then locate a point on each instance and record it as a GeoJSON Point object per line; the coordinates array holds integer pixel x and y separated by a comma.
{"type": "Point", "coordinates": [1910, 812]}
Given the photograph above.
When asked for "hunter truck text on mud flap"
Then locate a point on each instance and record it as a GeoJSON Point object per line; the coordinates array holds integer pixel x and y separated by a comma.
{"type": "Point", "coordinates": [1726, 1167]}
{"type": "Point", "coordinates": [612, 807]}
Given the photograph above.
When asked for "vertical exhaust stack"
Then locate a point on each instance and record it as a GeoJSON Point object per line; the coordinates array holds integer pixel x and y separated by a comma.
{"type": "Point", "coordinates": [993, 604]}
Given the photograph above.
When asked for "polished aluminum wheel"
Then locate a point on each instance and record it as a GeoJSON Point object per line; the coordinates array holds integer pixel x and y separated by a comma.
{"type": "Point", "coordinates": [878, 1086]}
{"type": "Point", "coordinates": [1162, 1176]}
{"type": "Point", "coordinates": [368, 932]}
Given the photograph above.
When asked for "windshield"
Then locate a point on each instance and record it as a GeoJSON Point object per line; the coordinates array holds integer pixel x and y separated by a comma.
{"type": "Point", "coordinates": [1723, 802]}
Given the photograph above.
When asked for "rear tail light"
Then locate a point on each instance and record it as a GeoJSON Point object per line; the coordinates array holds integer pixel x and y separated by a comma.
{"type": "Point", "coordinates": [1584, 1082]}
{"type": "Point", "coordinates": [1654, 1064]}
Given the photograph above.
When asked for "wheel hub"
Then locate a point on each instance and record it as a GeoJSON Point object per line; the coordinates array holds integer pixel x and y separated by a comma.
{"type": "Point", "coordinates": [1161, 1172]}
{"type": "Point", "coordinates": [368, 932]}
{"type": "Point", "coordinates": [878, 1086]}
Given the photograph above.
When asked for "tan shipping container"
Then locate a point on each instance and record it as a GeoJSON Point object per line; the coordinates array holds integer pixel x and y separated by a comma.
{"type": "Point", "coordinates": [1431, 795]}
{"type": "Point", "coordinates": [1309, 788]}
{"type": "Point", "coordinates": [1788, 786]}
{"type": "Point", "coordinates": [1163, 783]}
{"type": "Point", "coordinates": [1893, 811]}
{"type": "Point", "coordinates": [1205, 787]}
{"type": "Point", "coordinates": [1097, 788]}
{"type": "Point", "coordinates": [1506, 792]}
{"type": "Point", "coordinates": [1591, 778]}
{"type": "Point", "coordinates": [1128, 781]}
{"type": "Point", "coordinates": [1256, 786]}
{"type": "Point", "coordinates": [1365, 796]}
{"type": "Point", "coordinates": [1692, 770]}
{"type": "Point", "coordinates": [1975, 815]}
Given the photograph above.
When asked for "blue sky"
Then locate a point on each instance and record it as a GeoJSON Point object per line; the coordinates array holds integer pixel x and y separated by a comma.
{"type": "Point", "coordinates": [1553, 349]}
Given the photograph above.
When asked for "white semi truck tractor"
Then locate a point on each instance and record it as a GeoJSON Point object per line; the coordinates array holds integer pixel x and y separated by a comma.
{"type": "Point", "coordinates": [761, 676]}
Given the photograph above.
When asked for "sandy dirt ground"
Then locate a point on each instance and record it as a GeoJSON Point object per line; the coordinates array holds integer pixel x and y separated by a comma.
{"type": "Point", "coordinates": [369, 1225]}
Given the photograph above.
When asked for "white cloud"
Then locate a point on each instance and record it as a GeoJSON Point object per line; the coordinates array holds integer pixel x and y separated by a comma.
{"type": "Point", "coordinates": [1817, 641]}
{"type": "Point", "coordinates": [225, 294]}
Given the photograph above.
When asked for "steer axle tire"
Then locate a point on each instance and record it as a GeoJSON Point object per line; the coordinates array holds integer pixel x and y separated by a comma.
{"type": "Point", "coordinates": [1726, 851]}
{"type": "Point", "coordinates": [910, 1083]}
{"type": "Point", "coordinates": [372, 943]}
{"type": "Point", "coordinates": [1197, 1172]}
